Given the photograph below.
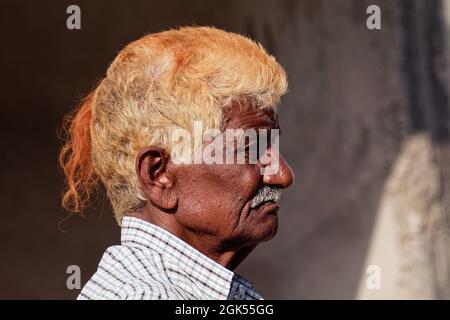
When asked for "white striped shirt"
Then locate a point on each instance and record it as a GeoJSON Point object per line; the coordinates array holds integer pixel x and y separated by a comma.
{"type": "Point", "coordinates": [152, 263]}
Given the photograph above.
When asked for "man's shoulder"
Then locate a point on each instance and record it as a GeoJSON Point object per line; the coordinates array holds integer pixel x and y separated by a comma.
{"type": "Point", "coordinates": [134, 290]}
{"type": "Point", "coordinates": [127, 273]}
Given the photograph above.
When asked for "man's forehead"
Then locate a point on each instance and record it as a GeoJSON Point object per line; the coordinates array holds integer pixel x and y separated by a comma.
{"type": "Point", "coordinates": [250, 116]}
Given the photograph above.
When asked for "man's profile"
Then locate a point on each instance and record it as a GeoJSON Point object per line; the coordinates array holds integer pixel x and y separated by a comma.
{"type": "Point", "coordinates": [185, 226]}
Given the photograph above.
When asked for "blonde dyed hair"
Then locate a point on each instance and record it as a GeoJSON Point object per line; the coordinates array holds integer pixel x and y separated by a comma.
{"type": "Point", "coordinates": [162, 80]}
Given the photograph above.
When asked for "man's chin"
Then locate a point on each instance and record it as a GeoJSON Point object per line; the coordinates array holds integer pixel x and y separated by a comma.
{"type": "Point", "coordinates": [266, 219]}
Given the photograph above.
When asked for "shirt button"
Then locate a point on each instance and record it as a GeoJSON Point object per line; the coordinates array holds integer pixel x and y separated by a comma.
{"type": "Point", "coordinates": [239, 293]}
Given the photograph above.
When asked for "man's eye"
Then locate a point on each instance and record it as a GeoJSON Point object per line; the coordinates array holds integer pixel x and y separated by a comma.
{"type": "Point", "coordinates": [249, 153]}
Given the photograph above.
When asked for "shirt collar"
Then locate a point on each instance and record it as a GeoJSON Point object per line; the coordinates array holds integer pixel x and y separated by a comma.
{"type": "Point", "coordinates": [214, 280]}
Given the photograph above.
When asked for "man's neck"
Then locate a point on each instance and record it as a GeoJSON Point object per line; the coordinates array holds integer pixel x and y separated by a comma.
{"type": "Point", "coordinates": [229, 257]}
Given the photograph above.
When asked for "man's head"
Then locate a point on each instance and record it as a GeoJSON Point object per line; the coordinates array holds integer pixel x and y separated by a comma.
{"type": "Point", "coordinates": [123, 134]}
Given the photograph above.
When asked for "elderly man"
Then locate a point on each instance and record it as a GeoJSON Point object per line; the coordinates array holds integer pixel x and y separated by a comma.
{"type": "Point", "coordinates": [186, 224]}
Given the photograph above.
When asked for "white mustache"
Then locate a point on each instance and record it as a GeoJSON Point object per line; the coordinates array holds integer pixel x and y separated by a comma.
{"type": "Point", "coordinates": [265, 194]}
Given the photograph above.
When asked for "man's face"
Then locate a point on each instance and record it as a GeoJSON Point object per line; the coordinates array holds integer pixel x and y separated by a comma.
{"type": "Point", "coordinates": [216, 199]}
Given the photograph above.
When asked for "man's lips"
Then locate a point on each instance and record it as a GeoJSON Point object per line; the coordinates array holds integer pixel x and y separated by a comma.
{"type": "Point", "coordinates": [268, 207]}
{"type": "Point", "coordinates": [264, 203]}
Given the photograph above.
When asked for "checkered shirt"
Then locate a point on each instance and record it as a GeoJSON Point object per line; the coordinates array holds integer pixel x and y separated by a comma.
{"type": "Point", "coordinates": [152, 263]}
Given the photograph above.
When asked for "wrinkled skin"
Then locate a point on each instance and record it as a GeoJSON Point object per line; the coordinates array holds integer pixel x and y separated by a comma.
{"type": "Point", "coordinates": [208, 205]}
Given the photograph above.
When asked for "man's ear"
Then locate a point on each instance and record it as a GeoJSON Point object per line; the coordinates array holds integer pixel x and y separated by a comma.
{"type": "Point", "coordinates": [155, 178]}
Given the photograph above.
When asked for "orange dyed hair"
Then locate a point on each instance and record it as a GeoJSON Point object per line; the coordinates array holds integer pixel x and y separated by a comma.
{"type": "Point", "coordinates": [75, 157]}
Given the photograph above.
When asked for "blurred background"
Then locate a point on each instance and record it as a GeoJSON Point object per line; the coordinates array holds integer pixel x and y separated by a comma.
{"type": "Point", "coordinates": [365, 123]}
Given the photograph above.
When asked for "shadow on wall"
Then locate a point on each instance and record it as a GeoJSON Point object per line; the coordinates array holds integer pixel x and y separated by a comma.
{"type": "Point", "coordinates": [344, 120]}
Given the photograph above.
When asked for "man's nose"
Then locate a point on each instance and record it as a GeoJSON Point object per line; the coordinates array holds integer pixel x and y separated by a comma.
{"type": "Point", "coordinates": [282, 175]}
